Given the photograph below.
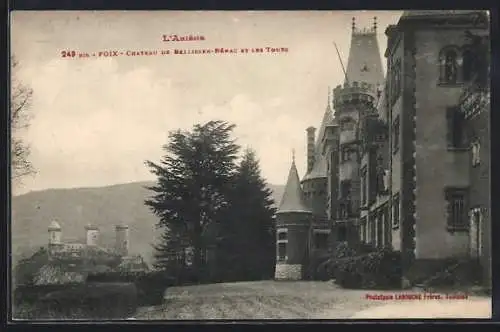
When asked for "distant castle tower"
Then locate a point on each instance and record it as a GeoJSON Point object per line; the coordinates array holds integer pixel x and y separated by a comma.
{"type": "Point", "coordinates": [92, 234]}
{"type": "Point", "coordinates": [122, 241]}
{"type": "Point", "coordinates": [55, 233]}
{"type": "Point", "coordinates": [293, 221]}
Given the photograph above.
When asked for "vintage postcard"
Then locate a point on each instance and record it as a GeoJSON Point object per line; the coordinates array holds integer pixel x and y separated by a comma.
{"type": "Point", "coordinates": [250, 165]}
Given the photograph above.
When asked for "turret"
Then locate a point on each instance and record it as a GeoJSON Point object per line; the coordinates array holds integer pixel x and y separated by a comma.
{"type": "Point", "coordinates": [55, 233]}
{"type": "Point", "coordinates": [92, 234]}
{"type": "Point", "coordinates": [122, 240]}
{"type": "Point", "coordinates": [292, 224]}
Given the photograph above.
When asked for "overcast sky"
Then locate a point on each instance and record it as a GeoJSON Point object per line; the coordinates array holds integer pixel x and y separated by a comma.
{"type": "Point", "coordinates": [95, 121]}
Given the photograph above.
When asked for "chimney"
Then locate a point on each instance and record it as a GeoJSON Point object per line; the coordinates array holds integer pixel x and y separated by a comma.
{"type": "Point", "coordinates": [121, 246]}
{"type": "Point", "coordinates": [310, 148]}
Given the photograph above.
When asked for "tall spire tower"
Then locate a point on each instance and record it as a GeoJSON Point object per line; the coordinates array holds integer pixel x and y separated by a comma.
{"type": "Point", "coordinates": [352, 102]}
{"type": "Point", "coordinates": [364, 63]}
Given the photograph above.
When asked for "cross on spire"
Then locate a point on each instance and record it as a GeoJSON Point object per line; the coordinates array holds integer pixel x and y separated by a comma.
{"type": "Point", "coordinates": [293, 155]}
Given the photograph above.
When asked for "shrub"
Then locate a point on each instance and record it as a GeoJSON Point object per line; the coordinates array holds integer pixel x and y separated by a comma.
{"type": "Point", "coordinates": [316, 270]}
{"type": "Point", "coordinates": [378, 269]}
{"type": "Point", "coordinates": [456, 274]}
{"type": "Point", "coordinates": [93, 301]}
{"type": "Point", "coordinates": [328, 269]}
{"type": "Point", "coordinates": [76, 301]}
{"type": "Point", "coordinates": [150, 286]}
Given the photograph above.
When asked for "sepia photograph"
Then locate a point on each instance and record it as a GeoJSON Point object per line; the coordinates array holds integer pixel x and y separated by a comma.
{"type": "Point", "coordinates": [250, 165]}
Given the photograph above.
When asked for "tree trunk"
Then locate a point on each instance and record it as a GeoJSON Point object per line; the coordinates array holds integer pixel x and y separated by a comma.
{"type": "Point", "coordinates": [197, 251]}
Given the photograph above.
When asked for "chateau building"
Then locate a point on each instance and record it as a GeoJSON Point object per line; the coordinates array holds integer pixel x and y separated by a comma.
{"type": "Point", "coordinates": [90, 256]}
{"type": "Point", "coordinates": [400, 161]}
{"type": "Point", "coordinates": [58, 248]}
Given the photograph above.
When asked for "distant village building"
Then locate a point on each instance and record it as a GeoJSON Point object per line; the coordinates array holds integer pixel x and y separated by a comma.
{"type": "Point", "coordinates": [400, 161]}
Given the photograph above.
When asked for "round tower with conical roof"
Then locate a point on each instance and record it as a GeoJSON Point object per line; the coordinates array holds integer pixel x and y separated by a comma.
{"type": "Point", "coordinates": [293, 220]}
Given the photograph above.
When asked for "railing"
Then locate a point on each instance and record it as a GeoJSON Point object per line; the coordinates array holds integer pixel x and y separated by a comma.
{"type": "Point", "coordinates": [473, 100]}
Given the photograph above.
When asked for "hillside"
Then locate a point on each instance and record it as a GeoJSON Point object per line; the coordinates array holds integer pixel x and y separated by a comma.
{"type": "Point", "coordinates": [74, 208]}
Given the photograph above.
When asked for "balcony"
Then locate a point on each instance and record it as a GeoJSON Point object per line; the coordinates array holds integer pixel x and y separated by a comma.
{"type": "Point", "coordinates": [474, 100]}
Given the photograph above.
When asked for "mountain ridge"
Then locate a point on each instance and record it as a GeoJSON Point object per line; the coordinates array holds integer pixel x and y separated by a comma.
{"type": "Point", "coordinates": [74, 208]}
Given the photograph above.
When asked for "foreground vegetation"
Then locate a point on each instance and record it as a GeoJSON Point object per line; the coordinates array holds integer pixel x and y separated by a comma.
{"type": "Point", "coordinates": [111, 295]}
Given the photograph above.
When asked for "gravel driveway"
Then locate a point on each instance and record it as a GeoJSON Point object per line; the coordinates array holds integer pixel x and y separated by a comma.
{"type": "Point", "coordinates": [259, 300]}
{"type": "Point", "coordinates": [303, 300]}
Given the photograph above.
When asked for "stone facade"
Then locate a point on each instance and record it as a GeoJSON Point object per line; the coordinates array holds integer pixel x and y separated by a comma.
{"type": "Point", "coordinates": [431, 172]}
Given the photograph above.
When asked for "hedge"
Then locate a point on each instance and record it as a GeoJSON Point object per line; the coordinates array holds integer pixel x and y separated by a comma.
{"type": "Point", "coordinates": [150, 286]}
{"type": "Point", "coordinates": [379, 269]}
{"type": "Point", "coordinates": [326, 270]}
{"type": "Point", "coordinates": [81, 301]}
{"type": "Point", "coordinates": [362, 266]}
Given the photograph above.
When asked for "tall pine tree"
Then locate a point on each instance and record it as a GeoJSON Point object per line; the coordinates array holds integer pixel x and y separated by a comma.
{"type": "Point", "coordinates": [192, 188]}
{"type": "Point", "coordinates": [251, 229]}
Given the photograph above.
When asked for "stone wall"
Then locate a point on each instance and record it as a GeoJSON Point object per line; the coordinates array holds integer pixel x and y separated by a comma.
{"type": "Point", "coordinates": [437, 166]}
{"type": "Point", "coordinates": [288, 272]}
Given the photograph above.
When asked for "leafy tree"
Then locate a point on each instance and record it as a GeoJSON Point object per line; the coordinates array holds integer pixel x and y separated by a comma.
{"type": "Point", "coordinates": [21, 97]}
{"type": "Point", "coordinates": [192, 187]}
{"type": "Point", "coordinates": [250, 243]}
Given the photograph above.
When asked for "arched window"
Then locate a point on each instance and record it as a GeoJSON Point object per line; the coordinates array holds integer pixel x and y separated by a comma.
{"type": "Point", "coordinates": [449, 65]}
{"type": "Point", "coordinates": [468, 65]}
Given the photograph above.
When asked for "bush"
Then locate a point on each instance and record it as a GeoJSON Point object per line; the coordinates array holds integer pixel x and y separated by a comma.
{"type": "Point", "coordinates": [456, 274]}
{"type": "Point", "coordinates": [150, 286]}
{"type": "Point", "coordinates": [378, 269]}
{"type": "Point", "coordinates": [31, 294]}
{"type": "Point", "coordinates": [315, 269]}
{"type": "Point", "coordinates": [82, 301]}
{"type": "Point", "coordinates": [328, 269]}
